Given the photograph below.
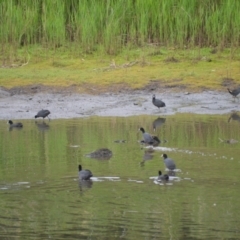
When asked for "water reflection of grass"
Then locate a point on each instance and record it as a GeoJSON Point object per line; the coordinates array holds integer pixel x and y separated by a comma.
{"type": "Point", "coordinates": [45, 159]}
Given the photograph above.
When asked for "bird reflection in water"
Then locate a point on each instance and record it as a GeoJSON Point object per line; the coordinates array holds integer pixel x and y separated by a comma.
{"type": "Point", "coordinates": [171, 173]}
{"type": "Point", "coordinates": [42, 126]}
{"type": "Point", "coordinates": [234, 116]}
{"type": "Point", "coordinates": [85, 184]}
{"type": "Point", "coordinates": [148, 155]}
{"type": "Point", "coordinates": [157, 123]}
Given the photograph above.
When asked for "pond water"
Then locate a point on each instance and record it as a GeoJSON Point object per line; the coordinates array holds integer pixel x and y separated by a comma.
{"type": "Point", "coordinates": [41, 196]}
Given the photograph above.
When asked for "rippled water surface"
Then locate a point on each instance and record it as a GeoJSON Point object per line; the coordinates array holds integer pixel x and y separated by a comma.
{"type": "Point", "coordinates": [41, 196]}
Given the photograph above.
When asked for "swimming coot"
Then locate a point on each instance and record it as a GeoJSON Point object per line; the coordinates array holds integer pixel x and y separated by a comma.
{"type": "Point", "coordinates": [148, 139]}
{"type": "Point", "coordinates": [161, 177]}
{"type": "Point", "coordinates": [84, 174]}
{"type": "Point", "coordinates": [16, 125]}
{"type": "Point", "coordinates": [169, 163]}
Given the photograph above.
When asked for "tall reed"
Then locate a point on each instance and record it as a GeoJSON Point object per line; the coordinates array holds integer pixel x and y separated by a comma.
{"type": "Point", "coordinates": [114, 24]}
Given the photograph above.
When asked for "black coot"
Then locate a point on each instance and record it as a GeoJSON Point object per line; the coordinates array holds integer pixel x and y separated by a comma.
{"type": "Point", "coordinates": [43, 113]}
{"type": "Point", "coordinates": [169, 163]}
{"type": "Point", "coordinates": [16, 125]}
{"type": "Point", "coordinates": [84, 174]}
{"type": "Point", "coordinates": [157, 102]}
{"type": "Point", "coordinates": [149, 139]}
{"type": "Point", "coordinates": [162, 177]}
{"type": "Point", "coordinates": [234, 92]}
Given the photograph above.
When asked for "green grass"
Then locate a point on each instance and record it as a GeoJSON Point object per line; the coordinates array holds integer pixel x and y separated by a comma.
{"type": "Point", "coordinates": [196, 68]}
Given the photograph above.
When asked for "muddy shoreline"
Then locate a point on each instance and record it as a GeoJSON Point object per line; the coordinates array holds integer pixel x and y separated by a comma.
{"type": "Point", "coordinates": [24, 104]}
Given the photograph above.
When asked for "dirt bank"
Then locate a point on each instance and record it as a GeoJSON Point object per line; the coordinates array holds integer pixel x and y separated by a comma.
{"type": "Point", "coordinates": [23, 103]}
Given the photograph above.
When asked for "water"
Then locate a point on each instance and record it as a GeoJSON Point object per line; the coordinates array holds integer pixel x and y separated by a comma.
{"type": "Point", "coordinates": [42, 198]}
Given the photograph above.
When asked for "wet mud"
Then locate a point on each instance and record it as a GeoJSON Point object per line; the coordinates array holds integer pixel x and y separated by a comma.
{"type": "Point", "coordinates": [24, 104]}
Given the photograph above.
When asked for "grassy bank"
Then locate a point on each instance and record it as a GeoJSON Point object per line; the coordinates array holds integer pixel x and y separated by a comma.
{"type": "Point", "coordinates": [80, 42]}
{"type": "Point", "coordinates": [194, 68]}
